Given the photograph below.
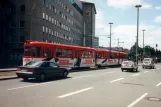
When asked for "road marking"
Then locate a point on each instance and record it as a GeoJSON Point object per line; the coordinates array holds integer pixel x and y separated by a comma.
{"type": "Point", "coordinates": [146, 71]}
{"type": "Point", "coordinates": [76, 92]}
{"type": "Point", "coordinates": [158, 84]}
{"type": "Point", "coordinates": [82, 77]}
{"type": "Point", "coordinates": [137, 100]}
{"type": "Point", "coordinates": [116, 80]}
{"type": "Point", "coordinates": [28, 86]}
{"type": "Point", "coordinates": [135, 74]}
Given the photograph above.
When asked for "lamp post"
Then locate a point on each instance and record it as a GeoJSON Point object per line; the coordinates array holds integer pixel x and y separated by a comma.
{"type": "Point", "coordinates": [143, 43]}
{"type": "Point", "coordinates": [110, 34]}
{"type": "Point", "coordinates": [137, 6]}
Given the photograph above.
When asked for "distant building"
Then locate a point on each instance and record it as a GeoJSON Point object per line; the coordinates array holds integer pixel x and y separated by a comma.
{"type": "Point", "coordinates": [59, 21]}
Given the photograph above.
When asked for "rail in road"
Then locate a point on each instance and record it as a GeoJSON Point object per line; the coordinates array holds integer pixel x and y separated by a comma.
{"type": "Point", "coordinates": [105, 87]}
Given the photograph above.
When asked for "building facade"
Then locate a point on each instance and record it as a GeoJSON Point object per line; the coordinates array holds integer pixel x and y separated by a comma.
{"type": "Point", "coordinates": [89, 12]}
{"type": "Point", "coordinates": [57, 21]}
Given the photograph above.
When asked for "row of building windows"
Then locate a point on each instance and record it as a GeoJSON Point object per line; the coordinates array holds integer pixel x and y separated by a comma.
{"type": "Point", "coordinates": [54, 21]}
{"type": "Point", "coordinates": [55, 33]}
{"type": "Point", "coordinates": [59, 2]}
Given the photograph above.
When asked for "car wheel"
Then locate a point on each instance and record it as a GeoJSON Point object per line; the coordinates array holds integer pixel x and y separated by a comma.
{"type": "Point", "coordinates": [136, 70]}
{"type": "Point", "coordinates": [122, 70]}
{"type": "Point", "coordinates": [132, 69]}
{"type": "Point", "coordinates": [25, 78]}
{"type": "Point", "coordinates": [42, 77]}
{"type": "Point", "coordinates": [65, 74]}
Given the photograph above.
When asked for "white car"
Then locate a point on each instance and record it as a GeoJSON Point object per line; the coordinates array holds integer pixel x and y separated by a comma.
{"type": "Point", "coordinates": [148, 62]}
{"type": "Point", "coordinates": [129, 65]}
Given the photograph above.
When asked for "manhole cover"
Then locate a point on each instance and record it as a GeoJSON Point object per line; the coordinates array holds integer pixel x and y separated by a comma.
{"type": "Point", "coordinates": [153, 99]}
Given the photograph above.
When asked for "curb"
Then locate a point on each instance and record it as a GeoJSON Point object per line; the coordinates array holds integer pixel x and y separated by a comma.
{"type": "Point", "coordinates": [8, 77]}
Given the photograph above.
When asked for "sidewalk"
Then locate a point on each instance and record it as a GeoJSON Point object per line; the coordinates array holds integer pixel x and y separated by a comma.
{"type": "Point", "coordinates": [8, 73]}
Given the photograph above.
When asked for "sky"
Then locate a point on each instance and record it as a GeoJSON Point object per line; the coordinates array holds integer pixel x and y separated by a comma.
{"type": "Point", "coordinates": [123, 14]}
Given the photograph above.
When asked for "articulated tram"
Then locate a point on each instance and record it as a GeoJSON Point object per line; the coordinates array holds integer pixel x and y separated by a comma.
{"type": "Point", "coordinates": [71, 56]}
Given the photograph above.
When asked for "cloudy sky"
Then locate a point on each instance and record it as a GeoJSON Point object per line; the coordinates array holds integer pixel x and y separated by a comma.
{"type": "Point", "coordinates": [123, 14]}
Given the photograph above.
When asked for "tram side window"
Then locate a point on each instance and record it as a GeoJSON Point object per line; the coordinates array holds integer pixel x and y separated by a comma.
{"type": "Point", "coordinates": [45, 52]}
{"type": "Point", "coordinates": [90, 54]}
{"type": "Point", "coordinates": [27, 51]}
{"type": "Point", "coordinates": [69, 51]}
{"type": "Point", "coordinates": [85, 54]}
{"type": "Point", "coordinates": [66, 52]}
{"type": "Point", "coordinates": [112, 55]}
{"type": "Point", "coordinates": [33, 51]}
{"type": "Point", "coordinates": [58, 52]}
{"type": "Point", "coordinates": [100, 55]}
{"type": "Point", "coordinates": [38, 51]}
{"type": "Point", "coordinates": [51, 53]}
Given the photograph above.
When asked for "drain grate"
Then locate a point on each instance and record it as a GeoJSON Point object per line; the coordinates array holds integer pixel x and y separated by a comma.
{"type": "Point", "coordinates": [153, 99]}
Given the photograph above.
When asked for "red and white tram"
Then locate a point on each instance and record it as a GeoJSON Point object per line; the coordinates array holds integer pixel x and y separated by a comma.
{"type": "Point", "coordinates": [71, 56]}
{"type": "Point", "coordinates": [63, 55]}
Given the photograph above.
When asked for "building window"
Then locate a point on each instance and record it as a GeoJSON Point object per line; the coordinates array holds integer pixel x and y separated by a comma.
{"type": "Point", "coordinates": [52, 32]}
{"type": "Point", "coordinates": [46, 17]}
{"type": "Point", "coordinates": [52, 20]}
{"type": "Point", "coordinates": [43, 29]}
{"type": "Point", "coordinates": [55, 11]}
{"type": "Point", "coordinates": [52, 8]}
{"type": "Point", "coordinates": [22, 8]}
{"type": "Point", "coordinates": [22, 24]}
{"type": "Point", "coordinates": [55, 33]}
{"type": "Point", "coordinates": [46, 30]}
{"type": "Point", "coordinates": [22, 38]}
{"type": "Point", "coordinates": [49, 19]}
{"type": "Point", "coordinates": [55, 22]}
{"type": "Point", "coordinates": [12, 23]}
{"type": "Point", "coordinates": [49, 31]}
{"type": "Point", "coordinates": [43, 15]}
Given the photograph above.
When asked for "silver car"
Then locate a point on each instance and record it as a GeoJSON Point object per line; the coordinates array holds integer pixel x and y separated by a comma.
{"type": "Point", "coordinates": [129, 65]}
{"type": "Point", "coordinates": [148, 63]}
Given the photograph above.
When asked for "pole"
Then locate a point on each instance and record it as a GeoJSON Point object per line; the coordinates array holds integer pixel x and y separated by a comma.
{"type": "Point", "coordinates": [137, 6]}
{"type": "Point", "coordinates": [110, 35]}
{"type": "Point", "coordinates": [84, 39]}
{"type": "Point", "coordinates": [143, 44]}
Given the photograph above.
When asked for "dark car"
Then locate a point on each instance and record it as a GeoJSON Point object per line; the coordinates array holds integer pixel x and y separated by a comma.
{"type": "Point", "coordinates": [41, 70]}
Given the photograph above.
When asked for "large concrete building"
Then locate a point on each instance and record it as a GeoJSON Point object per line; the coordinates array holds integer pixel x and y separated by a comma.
{"type": "Point", "coordinates": [59, 21]}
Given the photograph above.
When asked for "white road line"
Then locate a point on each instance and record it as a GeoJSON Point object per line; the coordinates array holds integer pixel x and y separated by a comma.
{"type": "Point", "coordinates": [146, 71]}
{"type": "Point", "coordinates": [158, 84]}
{"type": "Point", "coordinates": [82, 77]}
{"type": "Point", "coordinates": [28, 86]}
{"type": "Point", "coordinates": [116, 80]}
{"type": "Point", "coordinates": [76, 92]}
{"type": "Point", "coordinates": [135, 74]}
{"type": "Point", "coordinates": [137, 100]}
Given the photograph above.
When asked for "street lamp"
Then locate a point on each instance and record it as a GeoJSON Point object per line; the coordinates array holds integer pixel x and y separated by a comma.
{"type": "Point", "coordinates": [110, 34]}
{"type": "Point", "coordinates": [143, 43]}
{"type": "Point", "coordinates": [137, 6]}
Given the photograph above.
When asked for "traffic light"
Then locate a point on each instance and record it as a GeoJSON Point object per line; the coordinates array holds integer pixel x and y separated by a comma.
{"type": "Point", "coordinates": [156, 45]}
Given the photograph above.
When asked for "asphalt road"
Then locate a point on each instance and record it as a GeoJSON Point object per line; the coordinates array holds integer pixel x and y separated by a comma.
{"type": "Point", "coordinates": [93, 88]}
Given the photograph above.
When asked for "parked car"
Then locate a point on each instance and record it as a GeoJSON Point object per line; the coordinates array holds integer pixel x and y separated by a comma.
{"type": "Point", "coordinates": [41, 70]}
{"type": "Point", "coordinates": [148, 62]}
{"type": "Point", "coordinates": [129, 65]}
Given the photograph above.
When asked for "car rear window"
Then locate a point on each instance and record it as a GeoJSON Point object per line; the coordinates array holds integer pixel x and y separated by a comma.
{"type": "Point", "coordinates": [127, 62]}
{"type": "Point", "coordinates": [34, 64]}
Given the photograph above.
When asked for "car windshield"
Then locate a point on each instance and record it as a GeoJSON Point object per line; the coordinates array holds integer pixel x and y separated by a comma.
{"type": "Point", "coordinates": [146, 60]}
{"type": "Point", "coordinates": [34, 63]}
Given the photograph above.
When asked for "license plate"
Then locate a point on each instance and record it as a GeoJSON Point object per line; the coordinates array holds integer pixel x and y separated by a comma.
{"type": "Point", "coordinates": [23, 70]}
